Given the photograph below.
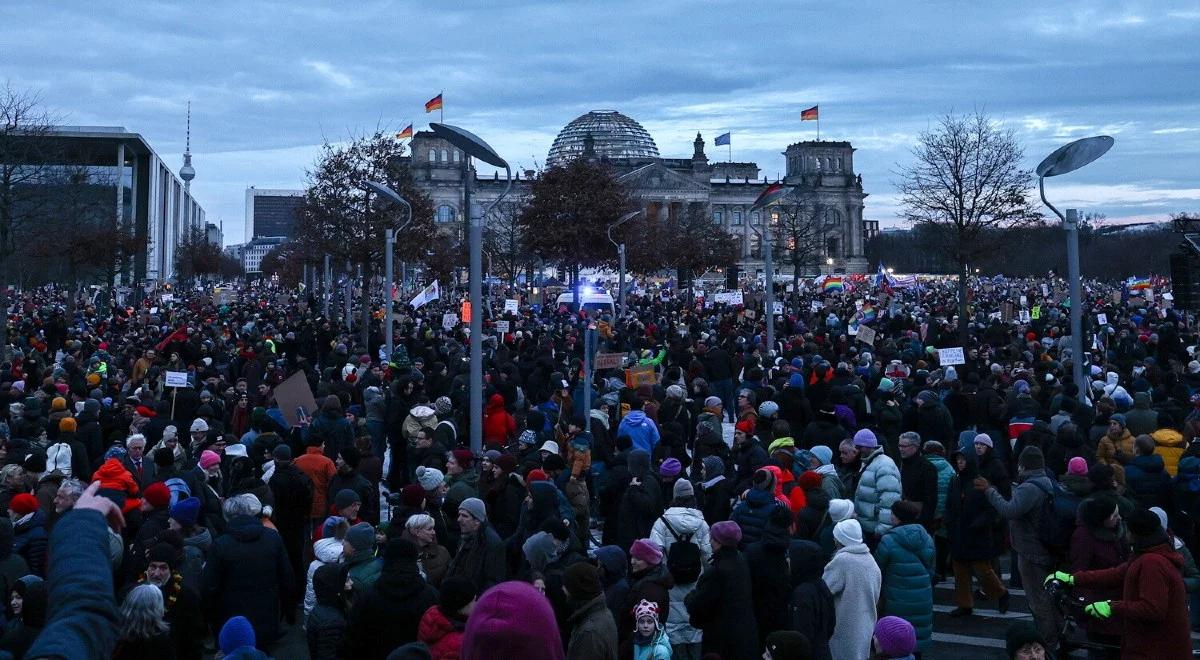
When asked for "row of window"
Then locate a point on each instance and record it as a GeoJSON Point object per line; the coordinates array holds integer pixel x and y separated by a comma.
{"type": "Point", "coordinates": [446, 154]}
{"type": "Point", "coordinates": [736, 218]}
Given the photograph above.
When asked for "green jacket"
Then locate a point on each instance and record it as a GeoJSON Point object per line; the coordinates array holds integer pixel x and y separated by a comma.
{"type": "Point", "coordinates": [905, 558]}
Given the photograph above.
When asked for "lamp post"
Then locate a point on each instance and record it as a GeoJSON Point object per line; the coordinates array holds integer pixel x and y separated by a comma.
{"type": "Point", "coordinates": [773, 194]}
{"type": "Point", "coordinates": [1069, 158]}
{"type": "Point", "coordinates": [389, 245]}
{"type": "Point", "coordinates": [621, 254]}
{"type": "Point", "coordinates": [473, 146]}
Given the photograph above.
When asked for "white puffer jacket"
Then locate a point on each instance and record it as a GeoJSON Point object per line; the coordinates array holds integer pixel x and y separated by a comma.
{"type": "Point", "coordinates": [684, 521]}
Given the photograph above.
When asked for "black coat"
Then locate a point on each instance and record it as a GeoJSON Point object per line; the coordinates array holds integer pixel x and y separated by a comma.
{"type": "Point", "coordinates": [504, 505]}
{"type": "Point", "coordinates": [715, 502]}
{"type": "Point", "coordinates": [722, 606]}
{"type": "Point", "coordinates": [811, 609]}
{"type": "Point", "coordinates": [247, 573]}
{"type": "Point", "coordinates": [387, 614]}
{"type": "Point", "coordinates": [970, 520]}
{"type": "Point", "coordinates": [767, 560]}
{"type": "Point", "coordinates": [919, 483]}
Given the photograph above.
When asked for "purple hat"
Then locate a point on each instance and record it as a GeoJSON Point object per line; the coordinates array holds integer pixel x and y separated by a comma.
{"type": "Point", "coordinates": [670, 467]}
{"type": "Point", "coordinates": [983, 439]}
{"type": "Point", "coordinates": [726, 532]}
{"type": "Point", "coordinates": [647, 551]}
{"type": "Point", "coordinates": [865, 438]}
{"type": "Point", "coordinates": [1077, 466]}
{"type": "Point", "coordinates": [895, 637]}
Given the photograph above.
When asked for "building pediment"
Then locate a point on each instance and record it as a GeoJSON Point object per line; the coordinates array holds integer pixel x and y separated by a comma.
{"type": "Point", "coordinates": [654, 178]}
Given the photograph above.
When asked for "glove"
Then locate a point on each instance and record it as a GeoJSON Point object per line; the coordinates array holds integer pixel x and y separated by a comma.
{"type": "Point", "coordinates": [1100, 610]}
{"type": "Point", "coordinates": [1065, 578]}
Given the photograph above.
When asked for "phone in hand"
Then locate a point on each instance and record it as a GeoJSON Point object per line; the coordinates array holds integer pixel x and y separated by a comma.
{"type": "Point", "coordinates": [302, 417]}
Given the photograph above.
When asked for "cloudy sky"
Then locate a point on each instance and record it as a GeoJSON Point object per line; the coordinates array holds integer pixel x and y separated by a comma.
{"type": "Point", "coordinates": [269, 81]}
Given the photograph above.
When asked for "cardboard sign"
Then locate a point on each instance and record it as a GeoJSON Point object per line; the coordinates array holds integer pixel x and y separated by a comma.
{"type": "Point", "coordinates": [1102, 319]}
{"type": "Point", "coordinates": [510, 306]}
{"type": "Point", "coordinates": [642, 374]}
{"type": "Point", "coordinates": [949, 356]}
{"type": "Point", "coordinates": [1023, 316]}
{"type": "Point", "coordinates": [177, 379]}
{"type": "Point", "coordinates": [466, 311]}
{"type": "Point", "coordinates": [1036, 312]}
{"type": "Point", "coordinates": [1024, 301]}
{"type": "Point", "coordinates": [609, 361]}
{"type": "Point", "coordinates": [777, 308]}
{"type": "Point", "coordinates": [449, 320]}
{"type": "Point", "coordinates": [293, 394]}
{"type": "Point", "coordinates": [729, 297]}
{"type": "Point", "coordinates": [866, 335]}
{"type": "Point", "coordinates": [168, 297]}
{"type": "Point", "coordinates": [502, 327]}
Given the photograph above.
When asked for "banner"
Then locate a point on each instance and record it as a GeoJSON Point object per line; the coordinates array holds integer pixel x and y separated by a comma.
{"type": "Point", "coordinates": [949, 356]}
{"type": "Point", "coordinates": [427, 294]}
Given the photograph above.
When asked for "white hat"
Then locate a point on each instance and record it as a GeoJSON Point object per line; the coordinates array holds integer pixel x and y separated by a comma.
{"type": "Point", "coordinates": [236, 449]}
{"type": "Point", "coordinates": [848, 532]}
{"type": "Point", "coordinates": [199, 425]}
{"type": "Point", "coordinates": [840, 510]}
{"type": "Point", "coordinates": [550, 446]}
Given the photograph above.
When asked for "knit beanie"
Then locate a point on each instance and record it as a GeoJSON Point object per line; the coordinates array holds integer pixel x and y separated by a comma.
{"type": "Point", "coordinates": [186, 511]}
{"type": "Point", "coordinates": [713, 466]}
{"type": "Point", "coordinates": [58, 404]}
{"type": "Point", "coordinates": [683, 488]}
{"type": "Point", "coordinates": [464, 457]}
{"type": "Point", "coordinates": [208, 459]}
{"type": "Point", "coordinates": [412, 495]}
{"type": "Point", "coordinates": [282, 452]}
{"type": "Point", "coordinates": [475, 507]}
{"type": "Point", "coordinates": [788, 645]}
{"type": "Point", "coordinates": [712, 402]}
{"type": "Point", "coordinates": [726, 532]}
{"type": "Point", "coordinates": [157, 494]}
{"type": "Point", "coordinates": [768, 409]}
{"type": "Point", "coordinates": [454, 593]}
{"type": "Point", "coordinates": [984, 439]}
{"type": "Point", "coordinates": [895, 637]}
{"type": "Point", "coordinates": [886, 385]}
{"type": "Point", "coordinates": [647, 551]}
{"type": "Point", "coordinates": [345, 498]}
{"type": "Point", "coordinates": [1031, 459]}
{"type": "Point", "coordinates": [23, 504]}
{"type": "Point", "coordinates": [865, 438]}
{"type": "Point", "coordinates": [361, 537]}
{"type": "Point", "coordinates": [1077, 466]}
{"type": "Point", "coordinates": [840, 510]}
{"type": "Point", "coordinates": [676, 392]}
{"type": "Point", "coordinates": [429, 478]}
{"type": "Point", "coordinates": [442, 406]}
{"type": "Point", "coordinates": [670, 467]}
{"type": "Point", "coordinates": [165, 553]}
{"type": "Point", "coordinates": [848, 532]}
{"type": "Point", "coordinates": [235, 634]}
{"type": "Point", "coordinates": [512, 620]}
{"type": "Point", "coordinates": [823, 454]}
{"type": "Point", "coordinates": [507, 462]}
{"type": "Point", "coordinates": [1020, 635]}
{"type": "Point", "coordinates": [582, 580]}
{"type": "Point", "coordinates": [1142, 523]}
{"type": "Point", "coordinates": [68, 424]}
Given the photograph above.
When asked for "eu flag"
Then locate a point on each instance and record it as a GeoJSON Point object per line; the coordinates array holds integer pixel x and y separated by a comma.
{"type": "Point", "coordinates": [722, 140]}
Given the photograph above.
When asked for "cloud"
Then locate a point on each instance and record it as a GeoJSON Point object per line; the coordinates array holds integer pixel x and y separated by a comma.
{"type": "Point", "coordinates": [330, 74]}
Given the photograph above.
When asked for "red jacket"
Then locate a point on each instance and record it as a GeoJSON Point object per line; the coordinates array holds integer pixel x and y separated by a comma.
{"type": "Point", "coordinates": [1152, 612]}
{"type": "Point", "coordinates": [440, 634]}
{"type": "Point", "coordinates": [499, 427]}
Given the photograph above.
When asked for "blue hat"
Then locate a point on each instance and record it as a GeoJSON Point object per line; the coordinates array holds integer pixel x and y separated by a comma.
{"type": "Point", "coordinates": [823, 454]}
{"type": "Point", "coordinates": [235, 634]}
{"type": "Point", "coordinates": [186, 512]}
{"type": "Point", "coordinates": [1118, 418]}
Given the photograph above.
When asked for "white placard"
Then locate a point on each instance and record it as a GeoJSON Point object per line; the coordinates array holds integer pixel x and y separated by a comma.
{"type": "Point", "coordinates": [502, 327]}
{"type": "Point", "coordinates": [609, 361]}
{"type": "Point", "coordinates": [168, 297]}
{"type": "Point", "coordinates": [510, 305]}
{"type": "Point", "coordinates": [949, 356]}
{"type": "Point", "coordinates": [816, 305]}
{"type": "Point", "coordinates": [777, 308]}
{"type": "Point", "coordinates": [1023, 316]}
{"type": "Point", "coordinates": [449, 320]}
{"type": "Point", "coordinates": [729, 297]}
{"type": "Point", "coordinates": [1024, 301]}
{"type": "Point", "coordinates": [177, 379]}
{"type": "Point", "coordinates": [866, 335]}
{"type": "Point", "coordinates": [1102, 319]}
{"type": "Point", "coordinates": [858, 304]}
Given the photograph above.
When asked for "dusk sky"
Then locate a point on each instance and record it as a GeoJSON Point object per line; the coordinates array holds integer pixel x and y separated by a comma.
{"type": "Point", "coordinates": [269, 81]}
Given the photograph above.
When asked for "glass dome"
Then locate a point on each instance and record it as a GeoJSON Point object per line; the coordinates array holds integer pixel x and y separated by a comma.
{"type": "Point", "coordinates": [613, 136]}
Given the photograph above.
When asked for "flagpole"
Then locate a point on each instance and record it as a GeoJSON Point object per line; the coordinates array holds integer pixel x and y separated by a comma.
{"type": "Point", "coordinates": [442, 108]}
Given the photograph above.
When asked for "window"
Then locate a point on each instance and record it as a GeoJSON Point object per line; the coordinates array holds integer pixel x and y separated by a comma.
{"type": "Point", "coordinates": [445, 213]}
{"type": "Point", "coordinates": [456, 152]}
{"type": "Point", "coordinates": [737, 218]}
{"type": "Point", "coordinates": [831, 248]}
{"type": "Point", "coordinates": [445, 156]}
{"type": "Point", "coordinates": [432, 155]}
{"type": "Point", "coordinates": [717, 217]}
{"type": "Point", "coordinates": [756, 218]}
{"type": "Point", "coordinates": [774, 217]}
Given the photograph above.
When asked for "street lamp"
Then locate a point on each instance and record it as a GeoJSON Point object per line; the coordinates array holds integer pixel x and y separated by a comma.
{"type": "Point", "coordinates": [621, 253]}
{"type": "Point", "coordinates": [389, 243]}
{"type": "Point", "coordinates": [1069, 158]}
{"type": "Point", "coordinates": [473, 146]}
{"type": "Point", "coordinates": [773, 194]}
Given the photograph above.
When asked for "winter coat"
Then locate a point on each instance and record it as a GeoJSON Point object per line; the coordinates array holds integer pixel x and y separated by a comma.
{"type": "Point", "coordinates": [441, 634]}
{"type": "Point", "coordinates": [658, 648]}
{"type": "Point", "coordinates": [652, 584]}
{"type": "Point", "coordinates": [640, 505]}
{"type": "Point", "coordinates": [905, 558]}
{"type": "Point", "coordinates": [810, 608]}
{"type": "Point", "coordinates": [919, 483]}
{"type": "Point", "coordinates": [1141, 420]}
{"type": "Point", "coordinates": [248, 574]}
{"type": "Point", "coordinates": [325, 626]}
{"type": "Point", "coordinates": [1021, 512]}
{"type": "Point", "coordinates": [613, 565]}
{"type": "Point", "coordinates": [388, 613]}
{"type": "Point", "coordinates": [30, 541]}
{"type": "Point", "coordinates": [1147, 482]}
{"type": "Point", "coordinates": [1093, 550]}
{"type": "Point", "coordinates": [1063, 449]}
{"type": "Point", "coordinates": [1152, 612]}
{"type": "Point", "coordinates": [854, 579]}
{"type": "Point", "coordinates": [678, 626]}
{"type": "Point", "coordinates": [641, 429]}
{"type": "Point", "coordinates": [499, 427]}
{"type": "Point", "coordinates": [767, 560]}
{"type": "Point", "coordinates": [945, 472]}
{"type": "Point", "coordinates": [722, 607]}
{"type": "Point", "coordinates": [879, 487]}
{"type": "Point", "coordinates": [504, 504]}
{"type": "Point", "coordinates": [320, 470]}
{"type": "Point", "coordinates": [684, 521]}
{"type": "Point", "coordinates": [715, 500]}
{"type": "Point", "coordinates": [480, 559]}
{"type": "Point", "coordinates": [753, 514]}
{"type": "Point", "coordinates": [333, 431]}
{"type": "Point", "coordinates": [970, 520]}
{"type": "Point", "coordinates": [1169, 444]}
{"type": "Point", "coordinates": [593, 632]}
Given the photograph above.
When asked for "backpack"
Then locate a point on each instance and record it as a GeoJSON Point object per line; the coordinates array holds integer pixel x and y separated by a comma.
{"type": "Point", "coordinates": [1056, 520]}
{"type": "Point", "coordinates": [684, 560]}
{"type": "Point", "coordinates": [179, 489]}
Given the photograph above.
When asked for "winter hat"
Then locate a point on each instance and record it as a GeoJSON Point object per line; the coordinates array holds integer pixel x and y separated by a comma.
{"type": "Point", "coordinates": [475, 507]}
{"type": "Point", "coordinates": [788, 645]}
{"type": "Point", "coordinates": [582, 580]}
{"type": "Point", "coordinates": [823, 454]}
{"type": "Point", "coordinates": [464, 457]}
{"type": "Point", "coordinates": [676, 392]}
{"type": "Point", "coordinates": [810, 480]}
{"type": "Point", "coordinates": [429, 478]}
{"type": "Point", "coordinates": [886, 385]}
{"type": "Point", "coordinates": [507, 462]}
{"type": "Point", "coordinates": [165, 553]}
{"type": "Point", "coordinates": [712, 402]}
{"type": "Point", "coordinates": [68, 424]}
{"type": "Point", "coordinates": [865, 438]}
{"type": "Point", "coordinates": [645, 609]}
{"type": "Point", "coordinates": [895, 637]}
{"type": "Point", "coordinates": [554, 462]}
{"type": "Point", "coordinates": [512, 620]}
{"type": "Point", "coordinates": [454, 593]}
{"type": "Point", "coordinates": [58, 404]}
{"type": "Point", "coordinates": [984, 439]}
{"type": "Point", "coordinates": [235, 634]}
{"type": "Point", "coordinates": [1031, 459]}
{"type": "Point", "coordinates": [670, 467]}
{"type": "Point", "coordinates": [840, 510]}
{"type": "Point", "coordinates": [1162, 515]}
{"type": "Point", "coordinates": [848, 532]}
{"type": "Point", "coordinates": [345, 498]}
{"type": "Point", "coordinates": [35, 462]}
{"type": "Point", "coordinates": [199, 425]}
{"type": "Point", "coordinates": [157, 494]}
{"type": "Point", "coordinates": [745, 426]}
{"type": "Point", "coordinates": [683, 488]}
{"type": "Point", "coordinates": [492, 455]}
{"type": "Point", "coordinates": [727, 533]}
{"type": "Point", "coordinates": [647, 551]}
{"type": "Point", "coordinates": [282, 452]}
{"type": "Point", "coordinates": [361, 537]}
{"type": "Point", "coordinates": [550, 446]}
{"type": "Point", "coordinates": [1142, 523]}
{"type": "Point", "coordinates": [1020, 635]}
{"type": "Point", "coordinates": [442, 406]}
{"type": "Point", "coordinates": [768, 409]}
{"type": "Point", "coordinates": [713, 466]}
{"type": "Point", "coordinates": [1118, 418]}
{"type": "Point", "coordinates": [186, 511]}
{"type": "Point", "coordinates": [527, 437]}
{"type": "Point", "coordinates": [536, 475]}
{"type": "Point", "coordinates": [209, 458]}
{"type": "Point", "coordinates": [23, 504]}
{"type": "Point", "coordinates": [1077, 466]}
{"type": "Point", "coordinates": [236, 450]}
{"type": "Point", "coordinates": [412, 495]}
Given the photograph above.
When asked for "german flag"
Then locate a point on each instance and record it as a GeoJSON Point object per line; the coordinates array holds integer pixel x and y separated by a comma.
{"type": "Point", "coordinates": [405, 134]}
{"type": "Point", "coordinates": [434, 103]}
{"type": "Point", "coordinates": [810, 114]}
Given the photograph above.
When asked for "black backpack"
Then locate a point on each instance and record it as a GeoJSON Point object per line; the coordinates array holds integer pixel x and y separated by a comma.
{"type": "Point", "coordinates": [1056, 519]}
{"type": "Point", "coordinates": [684, 560]}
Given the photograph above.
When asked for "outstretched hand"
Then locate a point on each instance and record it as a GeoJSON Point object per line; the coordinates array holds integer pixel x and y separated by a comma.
{"type": "Point", "coordinates": [91, 501]}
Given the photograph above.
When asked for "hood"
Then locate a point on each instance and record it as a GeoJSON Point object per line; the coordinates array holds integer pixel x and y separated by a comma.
{"type": "Point", "coordinates": [245, 529]}
{"type": "Point", "coordinates": [202, 539]}
{"type": "Point", "coordinates": [1141, 401]}
{"type": "Point", "coordinates": [1166, 550]}
{"type": "Point", "coordinates": [1111, 379]}
{"type": "Point", "coordinates": [33, 611]}
{"type": "Point", "coordinates": [599, 417]}
{"type": "Point", "coordinates": [912, 537]}
{"type": "Point", "coordinates": [328, 584]}
{"type": "Point", "coordinates": [495, 403]}
{"type": "Point", "coordinates": [423, 414]}
{"type": "Point", "coordinates": [540, 549]}
{"type": "Point", "coordinates": [639, 462]}
{"type": "Point", "coordinates": [328, 550]}
{"type": "Point", "coordinates": [807, 562]}
{"type": "Point", "coordinates": [1151, 464]}
{"type": "Point", "coordinates": [684, 520]}
{"type": "Point", "coordinates": [114, 476]}
{"type": "Point", "coordinates": [612, 558]}
{"type": "Point", "coordinates": [372, 394]}
{"type": "Point", "coordinates": [635, 418]}
{"type": "Point", "coordinates": [1168, 438]}
{"type": "Point", "coordinates": [1077, 484]}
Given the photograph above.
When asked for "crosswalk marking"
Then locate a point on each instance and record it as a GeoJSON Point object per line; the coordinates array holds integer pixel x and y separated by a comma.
{"type": "Point", "coordinates": [969, 640]}
{"type": "Point", "coordinates": [990, 614]}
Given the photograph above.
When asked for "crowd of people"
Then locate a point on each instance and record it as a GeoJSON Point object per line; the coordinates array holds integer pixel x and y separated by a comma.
{"type": "Point", "coordinates": [724, 499]}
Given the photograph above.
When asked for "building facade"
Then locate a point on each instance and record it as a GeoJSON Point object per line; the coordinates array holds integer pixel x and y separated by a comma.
{"type": "Point", "coordinates": [820, 172]}
{"type": "Point", "coordinates": [252, 253]}
{"type": "Point", "coordinates": [271, 212]}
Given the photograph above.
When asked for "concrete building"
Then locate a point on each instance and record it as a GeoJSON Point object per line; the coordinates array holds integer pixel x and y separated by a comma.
{"type": "Point", "coordinates": [252, 253]}
{"type": "Point", "coordinates": [271, 212]}
{"type": "Point", "coordinates": [214, 234]}
{"type": "Point", "coordinates": [821, 172]}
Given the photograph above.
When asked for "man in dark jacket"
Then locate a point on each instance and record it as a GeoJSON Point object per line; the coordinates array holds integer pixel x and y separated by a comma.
{"type": "Point", "coordinates": [722, 605]}
{"type": "Point", "coordinates": [767, 560]}
{"type": "Point", "coordinates": [293, 493]}
{"type": "Point", "coordinates": [1146, 478]}
{"type": "Point", "coordinates": [387, 614]}
{"type": "Point", "coordinates": [480, 556]}
{"type": "Point", "coordinates": [918, 478]}
{"type": "Point", "coordinates": [247, 572]}
{"type": "Point", "coordinates": [348, 478]}
{"type": "Point", "coordinates": [593, 631]}
{"type": "Point", "coordinates": [811, 608]}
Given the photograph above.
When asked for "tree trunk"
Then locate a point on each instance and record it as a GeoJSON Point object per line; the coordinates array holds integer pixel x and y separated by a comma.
{"type": "Point", "coordinates": [366, 304]}
{"type": "Point", "coordinates": [962, 303]}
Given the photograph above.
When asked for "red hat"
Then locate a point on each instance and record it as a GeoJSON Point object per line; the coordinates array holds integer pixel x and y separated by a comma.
{"type": "Point", "coordinates": [1030, 336]}
{"type": "Point", "coordinates": [144, 411]}
{"type": "Point", "coordinates": [23, 504]}
{"type": "Point", "coordinates": [464, 457]}
{"type": "Point", "coordinates": [158, 495]}
{"type": "Point", "coordinates": [746, 426]}
{"type": "Point", "coordinates": [810, 480]}
{"type": "Point", "coordinates": [536, 475]}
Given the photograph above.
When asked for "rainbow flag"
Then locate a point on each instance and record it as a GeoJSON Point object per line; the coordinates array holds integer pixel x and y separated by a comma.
{"type": "Point", "coordinates": [434, 103]}
{"type": "Point", "coordinates": [405, 134]}
{"type": "Point", "coordinates": [1138, 284]}
{"type": "Point", "coordinates": [868, 313]}
{"type": "Point", "coordinates": [810, 114]}
{"type": "Point", "coordinates": [833, 284]}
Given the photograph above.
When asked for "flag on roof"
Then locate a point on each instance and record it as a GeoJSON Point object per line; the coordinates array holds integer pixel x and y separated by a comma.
{"type": "Point", "coordinates": [810, 114]}
{"type": "Point", "coordinates": [434, 103]}
{"type": "Point", "coordinates": [722, 140]}
{"type": "Point", "coordinates": [405, 134]}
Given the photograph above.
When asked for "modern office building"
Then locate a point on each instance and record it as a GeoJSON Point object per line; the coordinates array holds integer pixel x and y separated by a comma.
{"type": "Point", "coordinates": [252, 253]}
{"type": "Point", "coordinates": [214, 234]}
{"type": "Point", "coordinates": [271, 212]}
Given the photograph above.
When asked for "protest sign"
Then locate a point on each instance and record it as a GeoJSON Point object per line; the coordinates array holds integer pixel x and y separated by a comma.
{"type": "Point", "coordinates": [949, 356]}
{"type": "Point", "coordinates": [510, 306]}
{"type": "Point", "coordinates": [502, 327]}
{"type": "Point", "coordinates": [866, 335]}
{"type": "Point", "coordinates": [177, 379]}
{"type": "Point", "coordinates": [449, 320]}
{"type": "Point", "coordinates": [609, 360]}
{"type": "Point", "coordinates": [293, 394]}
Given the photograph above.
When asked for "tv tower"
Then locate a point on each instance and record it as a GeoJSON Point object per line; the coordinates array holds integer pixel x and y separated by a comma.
{"type": "Point", "coordinates": [187, 172]}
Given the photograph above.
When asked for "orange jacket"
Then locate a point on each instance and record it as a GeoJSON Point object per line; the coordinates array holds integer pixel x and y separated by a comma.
{"type": "Point", "coordinates": [320, 470]}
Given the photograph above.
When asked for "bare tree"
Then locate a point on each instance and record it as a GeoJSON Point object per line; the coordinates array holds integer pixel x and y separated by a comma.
{"type": "Point", "coordinates": [802, 232]}
{"type": "Point", "coordinates": [966, 182]}
{"type": "Point", "coordinates": [504, 239]}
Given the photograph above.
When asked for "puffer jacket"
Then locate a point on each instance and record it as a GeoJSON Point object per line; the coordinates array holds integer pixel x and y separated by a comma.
{"type": "Point", "coordinates": [945, 472]}
{"type": "Point", "coordinates": [325, 626]}
{"type": "Point", "coordinates": [684, 521]}
{"type": "Point", "coordinates": [499, 427]}
{"type": "Point", "coordinates": [441, 634]}
{"type": "Point", "coordinates": [325, 551]}
{"type": "Point", "coordinates": [1022, 510]}
{"type": "Point", "coordinates": [376, 404]}
{"type": "Point", "coordinates": [905, 558]}
{"type": "Point", "coordinates": [878, 489]}
{"type": "Point", "coordinates": [1146, 481]}
{"type": "Point", "coordinates": [1169, 444]}
{"type": "Point", "coordinates": [418, 418]}
{"type": "Point", "coordinates": [753, 513]}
